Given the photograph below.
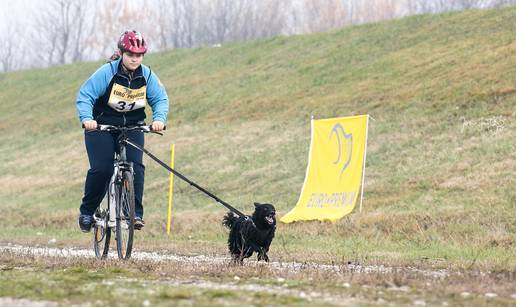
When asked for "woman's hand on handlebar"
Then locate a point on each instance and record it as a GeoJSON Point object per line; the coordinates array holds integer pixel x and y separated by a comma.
{"type": "Point", "coordinates": [89, 124]}
{"type": "Point", "coordinates": [157, 126]}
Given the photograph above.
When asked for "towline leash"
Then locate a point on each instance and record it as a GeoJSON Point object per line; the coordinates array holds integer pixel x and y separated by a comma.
{"type": "Point", "coordinates": [178, 174]}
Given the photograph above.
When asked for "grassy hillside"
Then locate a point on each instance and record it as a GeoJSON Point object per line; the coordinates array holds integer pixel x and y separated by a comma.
{"type": "Point", "coordinates": [441, 165]}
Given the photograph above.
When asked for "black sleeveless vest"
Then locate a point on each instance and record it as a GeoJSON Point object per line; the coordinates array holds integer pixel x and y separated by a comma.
{"type": "Point", "coordinates": [106, 114]}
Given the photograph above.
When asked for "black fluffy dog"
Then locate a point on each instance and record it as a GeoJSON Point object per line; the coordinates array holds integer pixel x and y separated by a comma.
{"type": "Point", "coordinates": [251, 233]}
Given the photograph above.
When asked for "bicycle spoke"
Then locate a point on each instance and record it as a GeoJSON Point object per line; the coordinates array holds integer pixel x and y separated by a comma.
{"type": "Point", "coordinates": [125, 216]}
{"type": "Point", "coordinates": [101, 233]}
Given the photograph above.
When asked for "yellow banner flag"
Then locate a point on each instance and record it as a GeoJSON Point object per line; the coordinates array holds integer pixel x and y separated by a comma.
{"type": "Point", "coordinates": [335, 170]}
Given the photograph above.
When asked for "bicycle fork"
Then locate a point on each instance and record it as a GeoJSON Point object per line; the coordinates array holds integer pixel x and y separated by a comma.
{"type": "Point", "coordinates": [111, 197]}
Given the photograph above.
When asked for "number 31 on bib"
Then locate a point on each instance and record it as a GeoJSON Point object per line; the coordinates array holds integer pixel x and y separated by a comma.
{"type": "Point", "coordinates": [124, 99]}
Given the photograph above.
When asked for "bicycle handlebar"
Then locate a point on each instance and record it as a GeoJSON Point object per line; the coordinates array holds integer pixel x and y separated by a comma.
{"type": "Point", "coordinates": [143, 128]}
{"type": "Point", "coordinates": [101, 127]}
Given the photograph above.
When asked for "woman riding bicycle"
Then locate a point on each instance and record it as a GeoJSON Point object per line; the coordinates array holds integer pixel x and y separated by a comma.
{"type": "Point", "coordinates": [116, 94]}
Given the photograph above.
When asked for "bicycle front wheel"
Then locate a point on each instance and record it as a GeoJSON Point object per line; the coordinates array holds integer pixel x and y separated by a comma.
{"type": "Point", "coordinates": [125, 216]}
{"type": "Point", "coordinates": [101, 231]}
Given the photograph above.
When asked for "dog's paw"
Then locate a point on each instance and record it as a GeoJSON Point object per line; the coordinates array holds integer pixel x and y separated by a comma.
{"type": "Point", "coordinates": [263, 256]}
{"type": "Point", "coordinates": [237, 259]}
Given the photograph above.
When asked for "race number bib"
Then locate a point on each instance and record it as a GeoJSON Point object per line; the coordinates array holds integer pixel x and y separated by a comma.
{"type": "Point", "coordinates": [124, 99]}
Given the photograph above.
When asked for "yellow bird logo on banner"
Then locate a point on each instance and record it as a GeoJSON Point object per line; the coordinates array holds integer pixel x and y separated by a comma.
{"type": "Point", "coordinates": [344, 146]}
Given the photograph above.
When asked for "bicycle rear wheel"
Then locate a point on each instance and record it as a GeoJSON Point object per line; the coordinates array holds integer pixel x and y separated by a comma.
{"type": "Point", "coordinates": [101, 231]}
{"type": "Point", "coordinates": [125, 216]}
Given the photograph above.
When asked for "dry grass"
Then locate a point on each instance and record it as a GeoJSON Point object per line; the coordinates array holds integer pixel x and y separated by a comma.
{"type": "Point", "coordinates": [396, 287]}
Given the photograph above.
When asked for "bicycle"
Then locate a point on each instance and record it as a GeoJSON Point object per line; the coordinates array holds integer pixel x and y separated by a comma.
{"type": "Point", "coordinates": [116, 211]}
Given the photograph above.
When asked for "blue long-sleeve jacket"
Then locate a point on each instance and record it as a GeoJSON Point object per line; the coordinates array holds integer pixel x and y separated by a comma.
{"type": "Point", "coordinates": [109, 96]}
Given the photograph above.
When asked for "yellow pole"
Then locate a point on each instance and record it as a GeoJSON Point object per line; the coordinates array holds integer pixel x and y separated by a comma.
{"type": "Point", "coordinates": [170, 188]}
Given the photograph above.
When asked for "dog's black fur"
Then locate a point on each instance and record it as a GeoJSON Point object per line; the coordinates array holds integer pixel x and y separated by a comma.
{"type": "Point", "coordinates": [251, 233]}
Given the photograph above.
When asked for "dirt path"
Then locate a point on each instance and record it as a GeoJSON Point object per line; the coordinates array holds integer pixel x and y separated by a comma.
{"type": "Point", "coordinates": [202, 259]}
{"type": "Point", "coordinates": [465, 284]}
{"type": "Point", "coordinates": [12, 302]}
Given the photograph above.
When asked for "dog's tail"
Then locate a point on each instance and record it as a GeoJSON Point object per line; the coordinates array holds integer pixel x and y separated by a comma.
{"type": "Point", "coordinates": [229, 220]}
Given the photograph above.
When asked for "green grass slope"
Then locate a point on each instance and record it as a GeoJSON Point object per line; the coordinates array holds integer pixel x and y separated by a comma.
{"type": "Point", "coordinates": [441, 165]}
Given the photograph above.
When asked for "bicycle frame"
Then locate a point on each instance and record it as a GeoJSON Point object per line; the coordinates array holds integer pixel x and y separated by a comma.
{"type": "Point", "coordinates": [120, 165]}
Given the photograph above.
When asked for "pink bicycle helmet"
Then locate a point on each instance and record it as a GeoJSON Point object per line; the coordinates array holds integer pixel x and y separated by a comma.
{"type": "Point", "coordinates": [132, 41]}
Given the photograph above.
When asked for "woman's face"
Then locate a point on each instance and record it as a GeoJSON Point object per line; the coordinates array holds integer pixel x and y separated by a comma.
{"type": "Point", "coordinates": [131, 60]}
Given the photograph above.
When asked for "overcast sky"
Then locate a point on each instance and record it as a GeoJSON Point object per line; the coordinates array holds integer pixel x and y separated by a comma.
{"type": "Point", "coordinates": [17, 11]}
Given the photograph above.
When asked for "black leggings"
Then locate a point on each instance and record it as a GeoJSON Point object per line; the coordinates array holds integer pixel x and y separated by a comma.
{"type": "Point", "coordinates": [101, 146]}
